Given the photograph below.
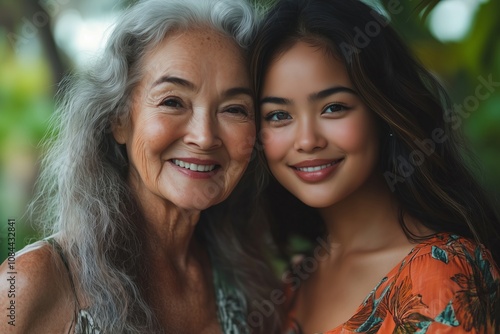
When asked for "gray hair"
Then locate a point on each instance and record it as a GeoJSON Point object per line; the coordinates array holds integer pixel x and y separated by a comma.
{"type": "Point", "coordinates": [83, 196]}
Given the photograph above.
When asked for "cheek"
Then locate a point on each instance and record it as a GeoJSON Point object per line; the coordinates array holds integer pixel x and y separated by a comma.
{"type": "Point", "coordinates": [240, 140]}
{"type": "Point", "coordinates": [149, 139]}
{"type": "Point", "coordinates": [355, 135]}
{"type": "Point", "coordinates": [140, 159]}
{"type": "Point", "coordinates": [156, 134]}
{"type": "Point", "coordinates": [275, 144]}
{"type": "Point", "coordinates": [351, 139]}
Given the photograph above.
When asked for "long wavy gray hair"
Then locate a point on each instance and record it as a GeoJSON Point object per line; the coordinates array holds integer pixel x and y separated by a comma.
{"type": "Point", "coordinates": [83, 196]}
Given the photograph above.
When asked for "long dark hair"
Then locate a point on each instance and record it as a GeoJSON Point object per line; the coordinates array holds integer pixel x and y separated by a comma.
{"type": "Point", "coordinates": [422, 155]}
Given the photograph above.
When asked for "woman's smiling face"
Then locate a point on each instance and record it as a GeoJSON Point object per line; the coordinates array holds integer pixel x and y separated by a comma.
{"type": "Point", "coordinates": [191, 129]}
{"type": "Point", "coordinates": [320, 140]}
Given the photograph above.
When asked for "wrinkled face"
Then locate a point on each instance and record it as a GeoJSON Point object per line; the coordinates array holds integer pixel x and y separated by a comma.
{"type": "Point", "coordinates": [192, 128]}
{"type": "Point", "coordinates": [320, 140]}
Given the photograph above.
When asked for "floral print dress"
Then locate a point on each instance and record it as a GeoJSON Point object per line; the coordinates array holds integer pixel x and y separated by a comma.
{"type": "Point", "coordinates": [435, 289]}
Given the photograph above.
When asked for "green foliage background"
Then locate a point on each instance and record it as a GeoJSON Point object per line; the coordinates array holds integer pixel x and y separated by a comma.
{"type": "Point", "coordinates": [28, 82]}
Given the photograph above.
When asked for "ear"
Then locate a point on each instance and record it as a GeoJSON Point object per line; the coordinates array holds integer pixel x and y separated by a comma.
{"type": "Point", "coordinates": [120, 130]}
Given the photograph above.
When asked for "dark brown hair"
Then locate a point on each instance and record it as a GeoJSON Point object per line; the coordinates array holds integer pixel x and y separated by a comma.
{"type": "Point", "coordinates": [423, 158]}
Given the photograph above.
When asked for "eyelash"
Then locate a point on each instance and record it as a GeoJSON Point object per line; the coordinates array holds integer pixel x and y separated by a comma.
{"type": "Point", "coordinates": [342, 108]}
{"type": "Point", "coordinates": [239, 110]}
{"type": "Point", "coordinates": [269, 117]}
{"type": "Point", "coordinates": [166, 102]}
{"type": "Point", "coordinates": [178, 104]}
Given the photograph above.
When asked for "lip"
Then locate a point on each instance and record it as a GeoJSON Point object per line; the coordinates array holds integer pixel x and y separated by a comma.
{"type": "Point", "coordinates": [316, 175]}
{"type": "Point", "coordinates": [193, 173]}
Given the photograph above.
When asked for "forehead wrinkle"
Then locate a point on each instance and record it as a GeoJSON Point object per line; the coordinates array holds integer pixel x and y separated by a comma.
{"type": "Point", "coordinates": [208, 70]}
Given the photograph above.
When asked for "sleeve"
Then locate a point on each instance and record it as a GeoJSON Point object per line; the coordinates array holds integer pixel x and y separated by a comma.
{"type": "Point", "coordinates": [447, 289]}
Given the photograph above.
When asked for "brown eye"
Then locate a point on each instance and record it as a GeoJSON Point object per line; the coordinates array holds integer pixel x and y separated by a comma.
{"type": "Point", "coordinates": [277, 116]}
{"type": "Point", "coordinates": [334, 108]}
{"type": "Point", "coordinates": [171, 103]}
{"type": "Point", "coordinates": [236, 110]}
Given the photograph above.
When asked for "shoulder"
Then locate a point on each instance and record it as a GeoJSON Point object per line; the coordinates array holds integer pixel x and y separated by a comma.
{"type": "Point", "coordinates": [451, 282]}
{"type": "Point", "coordinates": [447, 259]}
{"type": "Point", "coordinates": [38, 292]}
{"type": "Point", "coordinates": [452, 253]}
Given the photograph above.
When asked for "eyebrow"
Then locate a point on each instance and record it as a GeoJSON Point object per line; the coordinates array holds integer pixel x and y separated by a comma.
{"type": "Point", "coordinates": [313, 97]}
{"type": "Point", "coordinates": [174, 80]}
{"type": "Point", "coordinates": [275, 100]}
{"type": "Point", "coordinates": [330, 91]}
{"type": "Point", "coordinates": [231, 92]}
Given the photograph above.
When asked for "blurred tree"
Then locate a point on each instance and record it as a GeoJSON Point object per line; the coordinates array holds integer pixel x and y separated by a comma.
{"type": "Point", "coordinates": [58, 66]}
{"type": "Point", "coordinates": [27, 18]}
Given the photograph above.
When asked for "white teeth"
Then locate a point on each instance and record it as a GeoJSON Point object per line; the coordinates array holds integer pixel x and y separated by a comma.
{"type": "Point", "coordinates": [313, 169]}
{"type": "Point", "coordinates": [194, 167]}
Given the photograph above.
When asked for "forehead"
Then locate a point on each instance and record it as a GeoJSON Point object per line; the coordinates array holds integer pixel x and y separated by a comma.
{"type": "Point", "coordinates": [303, 62]}
{"type": "Point", "coordinates": [200, 38]}
{"type": "Point", "coordinates": [197, 46]}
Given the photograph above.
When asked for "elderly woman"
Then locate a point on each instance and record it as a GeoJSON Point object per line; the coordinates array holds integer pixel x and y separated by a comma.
{"type": "Point", "coordinates": [144, 235]}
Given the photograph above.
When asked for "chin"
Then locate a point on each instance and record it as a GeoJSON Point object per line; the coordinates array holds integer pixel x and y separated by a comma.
{"type": "Point", "coordinates": [194, 206]}
{"type": "Point", "coordinates": [317, 204]}
{"type": "Point", "coordinates": [319, 200]}
{"type": "Point", "coordinates": [197, 203]}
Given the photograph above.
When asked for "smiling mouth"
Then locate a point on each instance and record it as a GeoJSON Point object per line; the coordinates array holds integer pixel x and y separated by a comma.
{"type": "Point", "coordinates": [317, 168]}
{"type": "Point", "coordinates": [194, 167]}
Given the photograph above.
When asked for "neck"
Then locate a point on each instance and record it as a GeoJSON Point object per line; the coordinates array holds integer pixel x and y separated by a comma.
{"type": "Point", "coordinates": [167, 231]}
{"type": "Point", "coordinates": [366, 220]}
{"type": "Point", "coordinates": [170, 239]}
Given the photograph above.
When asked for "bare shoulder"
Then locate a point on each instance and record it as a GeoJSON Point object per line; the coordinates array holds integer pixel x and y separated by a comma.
{"type": "Point", "coordinates": [35, 292]}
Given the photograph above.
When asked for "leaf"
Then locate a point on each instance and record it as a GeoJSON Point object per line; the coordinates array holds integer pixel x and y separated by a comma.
{"type": "Point", "coordinates": [425, 7]}
{"type": "Point", "coordinates": [448, 316]}
{"type": "Point", "coordinates": [439, 254]}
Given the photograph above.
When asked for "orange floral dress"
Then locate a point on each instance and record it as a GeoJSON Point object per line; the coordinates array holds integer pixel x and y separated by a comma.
{"type": "Point", "coordinates": [446, 284]}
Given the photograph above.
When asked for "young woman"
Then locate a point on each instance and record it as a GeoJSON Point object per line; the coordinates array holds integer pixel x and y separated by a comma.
{"type": "Point", "coordinates": [143, 192]}
{"type": "Point", "coordinates": [363, 143]}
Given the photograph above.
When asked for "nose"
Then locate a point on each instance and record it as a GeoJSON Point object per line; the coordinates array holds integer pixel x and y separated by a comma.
{"type": "Point", "coordinates": [309, 137]}
{"type": "Point", "coordinates": [202, 130]}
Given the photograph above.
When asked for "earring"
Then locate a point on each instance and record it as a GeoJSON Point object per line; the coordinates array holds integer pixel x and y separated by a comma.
{"type": "Point", "coordinates": [391, 132]}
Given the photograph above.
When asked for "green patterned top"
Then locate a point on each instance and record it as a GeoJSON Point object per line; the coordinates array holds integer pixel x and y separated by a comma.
{"type": "Point", "coordinates": [231, 305]}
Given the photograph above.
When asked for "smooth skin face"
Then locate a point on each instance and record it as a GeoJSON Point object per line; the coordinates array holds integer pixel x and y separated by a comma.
{"type": "Point", "coordinates": [320, 139]}
{"type": "Point", "coordinates": [191, 129]}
